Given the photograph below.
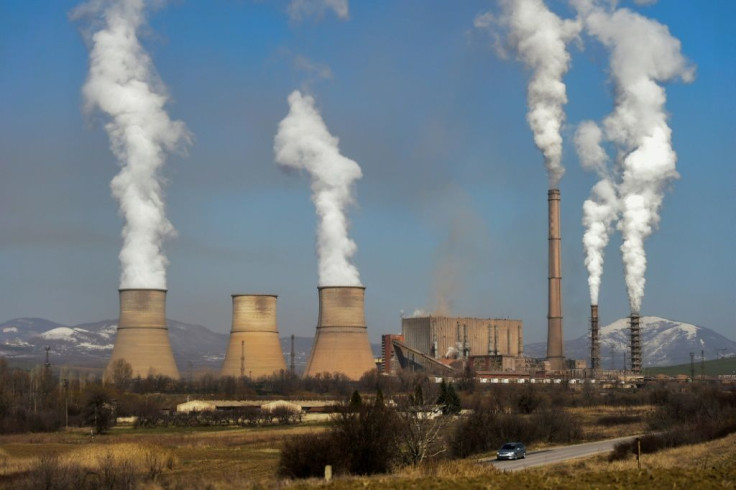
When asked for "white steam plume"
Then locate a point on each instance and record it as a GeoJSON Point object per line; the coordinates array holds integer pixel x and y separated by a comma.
{"type": "Point", "coordinates": [601, 209]}
{"type": "Point", "coordinates": [304, 142]}
{"type": "Point", "coordinates": [123, 84]}
{"type": "Point", "coordinates": [643, 55]}
{"type": "Point", "coordinates": [599, 212]}
{"type": "Point", "coordinates": [539, 38]}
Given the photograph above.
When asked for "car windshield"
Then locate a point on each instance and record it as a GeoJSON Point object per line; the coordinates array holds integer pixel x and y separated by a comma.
{"type": "Point", "coordinates": [509, 446]}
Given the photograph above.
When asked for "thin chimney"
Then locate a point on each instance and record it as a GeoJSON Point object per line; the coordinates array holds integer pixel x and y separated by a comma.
{"type": "Point", "coordinates": [555, 354]}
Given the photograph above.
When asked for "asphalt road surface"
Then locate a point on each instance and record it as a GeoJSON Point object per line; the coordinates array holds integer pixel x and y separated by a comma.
{"type": "Point", "coordinates": [556, 454]}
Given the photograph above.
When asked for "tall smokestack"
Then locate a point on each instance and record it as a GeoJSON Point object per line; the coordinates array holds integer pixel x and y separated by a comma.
{"type": "Point", "coordinates": [595, 347]}
{"type": "Point", "coordinates": [142, 337]}
{"type": "Point", "coordinates": [635, 343]}
{"type": "Point", "coordinates": [254, 349]}
{"type": "Point", "coordinates": [341, 344]}
{"type": "Point", "coordinates": [554, 316]}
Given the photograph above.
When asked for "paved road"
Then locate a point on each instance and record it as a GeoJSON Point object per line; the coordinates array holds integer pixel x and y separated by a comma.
{"type": "Point", "coordinates": [556, 454]}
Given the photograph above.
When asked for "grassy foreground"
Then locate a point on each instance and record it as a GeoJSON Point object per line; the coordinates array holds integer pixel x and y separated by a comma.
{"type": "Point", "coordinates": [247, 458]}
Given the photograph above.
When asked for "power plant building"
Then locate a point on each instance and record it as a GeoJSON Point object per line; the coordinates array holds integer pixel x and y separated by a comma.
{"type": "Point", "coordinates": [444, 337]}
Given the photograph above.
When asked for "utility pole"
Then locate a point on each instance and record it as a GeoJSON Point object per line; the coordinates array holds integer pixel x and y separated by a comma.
{"type": "Point", "coordinates": [702, 364]}
{"type": "Point", "coordinates": [242, 358]}
{"type": "Point", "coordinates": [692, 366]}
{"type": "Point", "coordinates": [291, 364]}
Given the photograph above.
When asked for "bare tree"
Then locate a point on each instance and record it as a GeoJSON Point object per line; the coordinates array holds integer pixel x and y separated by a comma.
{"type": "Point", "coordinates": [421, 429]}
{"type": "Point", "coordinates": [121, 373]}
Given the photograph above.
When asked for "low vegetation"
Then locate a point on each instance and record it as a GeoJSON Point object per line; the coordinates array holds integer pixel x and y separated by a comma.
{"type": "Point", "coordinates": [405, 432]}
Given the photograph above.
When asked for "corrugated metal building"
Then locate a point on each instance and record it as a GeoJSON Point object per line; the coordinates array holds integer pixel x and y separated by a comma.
{"type": "Point", "coordinates": [461, 337]}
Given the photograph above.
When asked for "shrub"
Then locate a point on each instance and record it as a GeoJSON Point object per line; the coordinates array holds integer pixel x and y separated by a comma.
{"type": "Point", "coordinates": [99, 411]}
{"type": "Point", "coordinates": [361, 440]}
{"type": "Point", "coordinates": [306, 456]}
{"type": "Point", "coordinates": [486, 429]}
{"type": "Point", "coordinates": [368, 437]}
{"type": "Point", "coordinates": [116, 473]}
{"type": "Point", "coordinates": [475, 434]}
{"type": "Point", "coordinates": [49, 473]}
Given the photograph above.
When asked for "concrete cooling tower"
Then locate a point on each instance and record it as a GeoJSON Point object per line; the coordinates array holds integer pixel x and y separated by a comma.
{"type": "Point", "coordinates": [143, 337]}
{"type": "Point", "coordinates": [341, 344]}
{"type": "Point", "coordinates": [254, 349]}
{"type": "Point", "coordinates": [555, 354]}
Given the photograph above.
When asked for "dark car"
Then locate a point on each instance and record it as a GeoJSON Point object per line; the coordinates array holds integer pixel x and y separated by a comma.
{"type": "Point", "coordinates": [511, 450]}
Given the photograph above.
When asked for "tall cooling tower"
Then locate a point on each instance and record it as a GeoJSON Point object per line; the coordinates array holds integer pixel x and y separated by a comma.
{"type": "Point", "coordinates": [341, 344]}
{"type": "Point", "coordinates": [555, 354]}
{"type": "Point", "coordinates": [595, 346]}
{"type": "Point", "coordinates": [254, 349]}
{"type": "Point", "coordinates": [635, 343]}
{"type": "Point", "coordinates": [143, 336]}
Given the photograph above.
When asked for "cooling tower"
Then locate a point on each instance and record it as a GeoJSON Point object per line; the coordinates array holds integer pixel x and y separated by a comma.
{"type": "Point", "coordinates": [341, 344]}
{"type": "Point", "coordinates": [143, 337]}
{"type": "Point", "coordinates": [635, 343]}
{"type": "Point", "coordinates": [254, 349]}
{"type": "Point", "coordinates": [595, 347]}
{"type": "Point", "coordinates": [555, 354]}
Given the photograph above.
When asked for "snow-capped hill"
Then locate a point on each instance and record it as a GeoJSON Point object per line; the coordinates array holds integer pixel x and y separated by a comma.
{"type": "Point", "coordinates": [664, 342]}
{"type": "Point", "coordinates": [63, 333]}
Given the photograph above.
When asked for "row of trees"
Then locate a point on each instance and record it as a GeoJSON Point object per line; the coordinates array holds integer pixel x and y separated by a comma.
{"type": "Point", "coordinates": [37, 400]}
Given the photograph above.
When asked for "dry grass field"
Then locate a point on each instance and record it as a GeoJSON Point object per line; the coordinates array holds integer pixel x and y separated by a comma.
{"type": "Point", "coordinates": [225, 458]}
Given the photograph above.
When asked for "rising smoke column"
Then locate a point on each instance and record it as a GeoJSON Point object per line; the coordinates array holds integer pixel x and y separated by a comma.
{"type": "Point", "coordinates": [304, 142]}
{"type": "Point", "coordinates": [539, 38]}
{"type": "Point", "coordinates": [123, 84]}
{"type": "Point", "coordinates": [601, 208]}
{"type": "Point", "coordinates": [643, 55]}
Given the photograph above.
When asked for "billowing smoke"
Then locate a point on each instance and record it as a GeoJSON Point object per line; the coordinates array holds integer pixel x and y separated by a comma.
{"type": "Point", "coordinates": [123, 84]}
{"type": "Point", "coordinates": [643, 55]}
{"type": "Point", "coordinates": [601, 209]}
{"type": "Point", "coordinates": [304, 142]}
{"type": "Point", "coordinates": [462, 248]}
{"type": "Point", "coordinates": [539, 38]}
{"type": "Point", "coordinates": [599, 213]}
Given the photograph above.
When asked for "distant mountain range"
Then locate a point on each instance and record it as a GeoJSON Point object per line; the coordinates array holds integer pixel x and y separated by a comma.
{"type": "Point", "coordinates": [196, 348]}
{"type": "Point", "coordinates": [89, 345]}
{"type": "Point", "coordinates": [664, 343]}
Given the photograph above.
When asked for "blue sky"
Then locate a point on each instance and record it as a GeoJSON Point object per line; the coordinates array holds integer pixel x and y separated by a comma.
{"type": "Point", "coordinates": [420, 100]}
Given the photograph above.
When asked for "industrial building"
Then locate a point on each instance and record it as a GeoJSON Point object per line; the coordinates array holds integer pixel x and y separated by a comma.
{"type": "Point", "coordinates": [444, 345]}
{"type": "Point", "coordinates": [460, 337]}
